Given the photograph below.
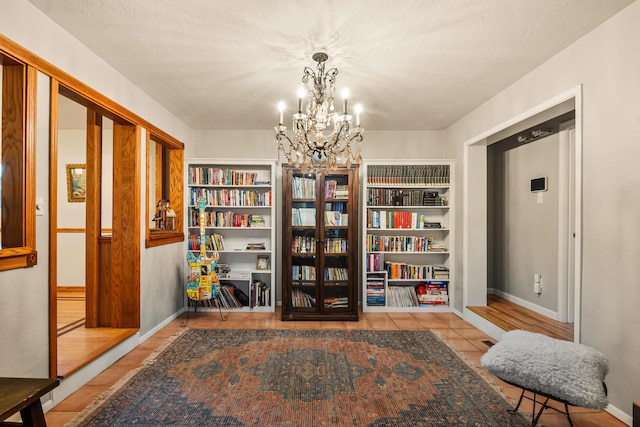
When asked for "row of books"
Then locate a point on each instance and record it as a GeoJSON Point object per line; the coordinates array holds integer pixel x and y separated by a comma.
{"type": "Point", "coordinates": [303, 188]}
{"type": "Point", "coordinates": [226, 219]}
{"type": "Point", "coordinates": [336, 218]}
{"type": "Point", "coordinates": [395, 197]}
{"type": "Point", "coordinates": [212, 242]}
{"type": "Point", "coordinates": [302, 299]}
{"type": "Point", "coordinates": [378, 219]}
{"type": "Point", "coordinates": [402, 244]}
{"type": "Point", "coordinates": [335, 245]}
{"type": "Point", "coordinates": [231, 197]}
{"type": "Point", "coordinates": [303, 272]}
{"type": "Point", "coordinates": [399, 270]}
{"type": "Point", "coordinates": [336, 273]}
{"type": "Point", "coordinates": [408, 174]}
{"type": "Point", "coordinates": [303, 216]}
{"type": "Point", "coordinates": [303, 245]}
{"type": "Point", "coordinates": [425, 295]}
{"type": "Point", "coordinates": [333, 190]}
{"type": "Point", "coordinates": [202, 175]}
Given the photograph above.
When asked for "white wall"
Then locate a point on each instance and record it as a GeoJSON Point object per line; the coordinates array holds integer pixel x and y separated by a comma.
{"type": "Point", "coordinates": [527, 231]}
{"type": "Point", "coordinates": [606, 64]}
{"type": "Point", "coordinates": [24, 318]}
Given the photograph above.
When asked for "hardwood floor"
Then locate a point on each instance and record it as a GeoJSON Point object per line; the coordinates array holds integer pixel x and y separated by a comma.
{"type": "Point", "coordinates": [509, 316]}
{"type": "Point", "coordinates": [77, 345]}
{"type": "Point", "coordinates": [466, 338]}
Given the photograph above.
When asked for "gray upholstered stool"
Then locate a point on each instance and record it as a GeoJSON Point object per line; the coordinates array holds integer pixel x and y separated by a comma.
{"type": "Point", "coordinates": [570, 373]}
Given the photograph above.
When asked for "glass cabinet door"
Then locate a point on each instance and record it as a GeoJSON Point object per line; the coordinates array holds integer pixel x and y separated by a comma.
{"type": "Point", "coordinates": [336, 242]}
{"type": "Point", "coordinates": [304, 293]}
{"type": "Point", "coordinates": [320, 244]}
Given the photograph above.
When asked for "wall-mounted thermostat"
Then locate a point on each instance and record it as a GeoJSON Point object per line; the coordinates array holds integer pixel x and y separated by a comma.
{"type": "Point", "coordinates": [539, 184]}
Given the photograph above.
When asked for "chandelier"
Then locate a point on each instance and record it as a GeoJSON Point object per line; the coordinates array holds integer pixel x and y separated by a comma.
{"type": "Point", "coordinates": [322, 137]}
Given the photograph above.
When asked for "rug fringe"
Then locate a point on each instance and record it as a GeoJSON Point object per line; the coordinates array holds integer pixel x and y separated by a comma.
{"type": "Point", "coordinates": [98, 401]}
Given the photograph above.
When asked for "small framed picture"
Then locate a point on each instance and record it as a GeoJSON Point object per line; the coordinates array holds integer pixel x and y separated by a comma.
{"type": "Point", "coordinates": [76, 182]}
{"type": "Point", "coordinates": [263, 262]}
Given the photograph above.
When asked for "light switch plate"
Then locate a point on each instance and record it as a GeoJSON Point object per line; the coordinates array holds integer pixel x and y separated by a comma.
{"type": "Point", "coordinates": [39, 206]}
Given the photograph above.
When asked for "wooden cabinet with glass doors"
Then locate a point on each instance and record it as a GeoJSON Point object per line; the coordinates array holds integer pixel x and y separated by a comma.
{"type": "Point", "coordinates": [320, 244]}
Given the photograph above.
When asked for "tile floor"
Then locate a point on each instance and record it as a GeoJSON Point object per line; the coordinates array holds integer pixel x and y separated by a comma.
{"type": "Point", "coordinates": [461, 334]}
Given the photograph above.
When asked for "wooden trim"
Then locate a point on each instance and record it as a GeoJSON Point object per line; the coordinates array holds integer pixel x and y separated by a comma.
{"type": "Point", "coordinates": [103, 231]}
{"type": "Point", "coordinates": [19, 102]}
{"type": "Point", "coordinates": [93, 216]}
{"type": "Point", "coordinates": [164, 238]}
{"type": "Point", "coordinates": [53, 224]}
{"type": "Point", "coordinates": [30, 153]}
{"type": "Point", "coordinates": [125, 266]}
{"type": "Point", "coordinates": [80, 92]}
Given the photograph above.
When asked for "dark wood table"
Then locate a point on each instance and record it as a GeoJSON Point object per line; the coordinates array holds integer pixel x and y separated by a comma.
{"type": "Point", "coordinates": [23, 394]}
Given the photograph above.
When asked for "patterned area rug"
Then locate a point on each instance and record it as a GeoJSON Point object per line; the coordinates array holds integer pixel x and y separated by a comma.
{"type": "Point", "coordinates": [287, 378]}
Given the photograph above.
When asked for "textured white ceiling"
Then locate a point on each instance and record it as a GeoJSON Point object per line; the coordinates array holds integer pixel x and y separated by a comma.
{"type": "Point", "coordinates": [413, 64]}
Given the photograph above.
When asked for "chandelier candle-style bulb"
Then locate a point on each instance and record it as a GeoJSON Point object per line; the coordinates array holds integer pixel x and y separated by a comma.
{"type": "Point", "coordinates": [281, 110]}
{"type": "Point", "coordinates": [321, 137]}
{"type": "Point", "coordinates": [345, 96]}
{"type": "Point", "coordinates": [300, 96]}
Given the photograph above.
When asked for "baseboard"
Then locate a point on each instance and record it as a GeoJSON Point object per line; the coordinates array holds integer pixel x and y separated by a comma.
{"type": "Point", "coordinates": [161, 325]}
{"type": "Point", "coordinates": [625, 418]}
{"type": "Point", "coordinates": [526, 304]}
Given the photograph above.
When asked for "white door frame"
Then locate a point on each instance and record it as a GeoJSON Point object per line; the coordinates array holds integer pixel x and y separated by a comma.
{"type": "Point", "coordinates": [475, 207]}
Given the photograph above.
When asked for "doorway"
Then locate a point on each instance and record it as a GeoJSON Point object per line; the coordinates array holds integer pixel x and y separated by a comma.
{"type": "Point", "coordinates": [90, 311]}
{"type": "Point", "coordinates": [478, 237]}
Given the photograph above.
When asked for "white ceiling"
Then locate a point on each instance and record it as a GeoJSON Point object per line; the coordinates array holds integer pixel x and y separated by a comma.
{"type": "Point", "coordinates": [413, 64]}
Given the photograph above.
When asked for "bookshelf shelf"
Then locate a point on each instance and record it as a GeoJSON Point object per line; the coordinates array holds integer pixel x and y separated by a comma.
{"type": "Point", "coordinates": [407, 209]}
{"type": "Point", "coordinates": [320, 244]}
{"type": "Point", "coordinates": [240, 211]}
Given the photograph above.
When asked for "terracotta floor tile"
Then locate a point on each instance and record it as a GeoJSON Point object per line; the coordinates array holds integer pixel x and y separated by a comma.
{"type": "Point", "coordinates": [79, 400]}
{"type": "Point", "coordinates": [408, 324]}
{"type": "Point", "coordinates": [110, 376]}
{"type": "Point", "coordinates": [462, 344]}
{"type": "Point", "coordinates": [56, 418]}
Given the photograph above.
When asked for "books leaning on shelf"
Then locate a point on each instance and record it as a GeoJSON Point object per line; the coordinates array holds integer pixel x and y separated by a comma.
{"type": "Point", "coordinates": [330, 188]}
{"type": "Point", "coordinates": [302, 299]}
{"type": "Point", "coordinates": [335, 218]}
{"type": "Point", "coordinates": [260, 294]}
{"type": "Point", "coordinates": [402, 296]}
{"type": "Point", "coordinates": [303, 216]}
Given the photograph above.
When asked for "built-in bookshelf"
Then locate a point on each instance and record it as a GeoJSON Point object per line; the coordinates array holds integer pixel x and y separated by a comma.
{"type": "Point", "coordinates": [320, 244]}
{"type": "Point", "coordinates": [239, 224]}
{"type": "Point", "coordinates": [407, 252]}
